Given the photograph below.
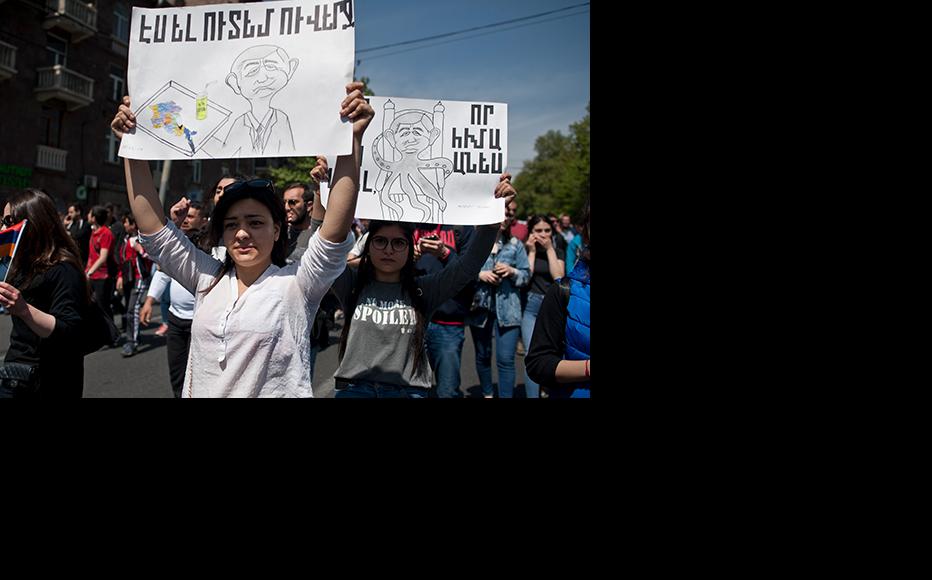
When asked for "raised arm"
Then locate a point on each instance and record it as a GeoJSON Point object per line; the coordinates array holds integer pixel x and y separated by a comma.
{"type": "Point", "coordinates": [345, 187]}
{"type": "Point", "coordinates": [318, 174]}
{"type": "Point", "coordinates": [462, 269]}
{"type": "Point", "coordinates": [140, 189]}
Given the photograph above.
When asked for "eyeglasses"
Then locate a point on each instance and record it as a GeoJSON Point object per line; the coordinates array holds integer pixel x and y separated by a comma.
{"type": "Point", "coordinates": [292, 202]}
{"type": "Point", "coordinates": [381, 242]}
{"type": "Point", "coordinates": [8, 220]}
{"type": "Point", "coordinates": [251, 184]}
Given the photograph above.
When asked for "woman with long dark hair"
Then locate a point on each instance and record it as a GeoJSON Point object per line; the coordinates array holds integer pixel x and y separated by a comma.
{"type": "Point", "coordinates": [548, 263]}
{"type": "Point", "coordinates": [559, 356]}
{"type": "Point", "coordinates": [47, 294]}
{"type": "Point", "coordinates": [251, 328]}
{"type": "Point", "coordinates": [388, 307]}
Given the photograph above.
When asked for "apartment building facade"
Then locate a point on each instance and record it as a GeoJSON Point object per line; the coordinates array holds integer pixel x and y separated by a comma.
{"type": "Point", "coordinates": [62, 75]}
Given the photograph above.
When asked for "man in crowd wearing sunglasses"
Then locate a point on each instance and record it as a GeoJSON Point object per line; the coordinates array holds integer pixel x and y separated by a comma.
{"type": "Point", "coordinates": [299, 199]}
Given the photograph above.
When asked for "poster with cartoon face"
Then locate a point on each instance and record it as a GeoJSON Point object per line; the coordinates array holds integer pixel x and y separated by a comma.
{"type": "Point", "coordinates": [240, 80]}
{"type": "Point", "coordinates": [432, 161]}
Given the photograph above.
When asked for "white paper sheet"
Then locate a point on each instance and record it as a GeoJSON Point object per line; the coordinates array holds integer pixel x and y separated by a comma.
{"type": "Point", "coordinates": [432, 161]}
{"type": "Point", "coordinates": [261, 79]}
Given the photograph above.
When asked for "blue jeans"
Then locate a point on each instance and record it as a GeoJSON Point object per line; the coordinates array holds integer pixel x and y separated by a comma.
{"type": "Point", "coordinates": [527, 331]}
{"type": "Point", "coordinates": [445, 349]}
{"type": "Point", "coordinates": [506, 343]}
{"type": "Point", "coordinates": [370, 390]}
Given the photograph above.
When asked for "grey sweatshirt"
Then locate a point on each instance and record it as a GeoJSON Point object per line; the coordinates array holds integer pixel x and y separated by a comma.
{"type": "Point", "coordinates": [377, 348]}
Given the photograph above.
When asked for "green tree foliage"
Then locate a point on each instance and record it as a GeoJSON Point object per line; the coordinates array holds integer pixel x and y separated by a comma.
{"type": "Point", "coordinates": [299, 168]}
{"type": "Point", "coordinates": [557, 179]}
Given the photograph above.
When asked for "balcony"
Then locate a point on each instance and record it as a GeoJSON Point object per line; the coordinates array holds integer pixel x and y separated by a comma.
{"type": "Point", "coordinates": [57, 82]}
{"type": "Point", "coordinates": [77, 18]}
{"type": "Point", "coordinates": [7, 60]}
{"type": "Point", "coordinates": [51, 158]}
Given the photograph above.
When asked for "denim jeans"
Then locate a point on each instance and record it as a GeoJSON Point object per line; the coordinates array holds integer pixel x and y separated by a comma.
{"type": "Point", "coordinates": [506, 343]}
{"type": "Point", "coordinates": [527, 331]}
{"type": "Point", "coordinates": [370, 390]}
{"type": "Point", "coordinates": [445, 349]}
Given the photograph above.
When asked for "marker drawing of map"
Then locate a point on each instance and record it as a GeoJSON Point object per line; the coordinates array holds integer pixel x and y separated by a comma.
{"type": "Point", "coordinates": [170, 116]}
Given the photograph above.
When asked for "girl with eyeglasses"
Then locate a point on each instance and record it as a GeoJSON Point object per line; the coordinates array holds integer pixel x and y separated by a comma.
{"type": "Point", "coordinates": [47, 294]}
{"type": "Point", "coordinates": [388, 307]}
{"type": "Point", "coordinates": [253, 314]}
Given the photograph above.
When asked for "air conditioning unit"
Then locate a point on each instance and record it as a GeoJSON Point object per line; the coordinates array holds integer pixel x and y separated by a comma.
{"type": "Point", "coordinates": [90, 181]}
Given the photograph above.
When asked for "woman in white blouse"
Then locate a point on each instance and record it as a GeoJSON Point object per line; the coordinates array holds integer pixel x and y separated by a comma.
{"type": "Point", "coordinates": [253, 315]}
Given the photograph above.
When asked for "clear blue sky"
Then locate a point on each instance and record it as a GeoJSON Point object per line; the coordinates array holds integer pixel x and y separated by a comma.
{"type": "Point", "coordinates": [539, 67]}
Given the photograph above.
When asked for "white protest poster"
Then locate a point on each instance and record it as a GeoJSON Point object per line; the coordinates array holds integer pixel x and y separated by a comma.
{"type": "Point", "coordinates": [261, 79]}
{"type": "Point", "coordinates": [432, 161]}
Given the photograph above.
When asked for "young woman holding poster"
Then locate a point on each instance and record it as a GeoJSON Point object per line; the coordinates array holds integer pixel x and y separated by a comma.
{"type": "Point", "coordinates": [253, 316]}
{"type": "Point", "coordinates": [47, 294]}
{"type": "Point", "coordinates": [388, 307]}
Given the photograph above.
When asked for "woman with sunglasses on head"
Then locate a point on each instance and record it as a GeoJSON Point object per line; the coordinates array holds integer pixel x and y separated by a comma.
{"type": "Point", "coordinates": [47, 294]}
{"type": "Point", "coordinates": [382, 349]}
{"type": "Point", "coordinates": [252, 321]}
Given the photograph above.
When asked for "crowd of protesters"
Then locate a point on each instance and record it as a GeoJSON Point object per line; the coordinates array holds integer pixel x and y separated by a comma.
{"type": "Point", "coordinates": [251, 284]}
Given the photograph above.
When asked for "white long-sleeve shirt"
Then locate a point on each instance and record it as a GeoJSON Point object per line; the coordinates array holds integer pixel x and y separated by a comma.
{"type": "Point", "coordinates": [257, 344]}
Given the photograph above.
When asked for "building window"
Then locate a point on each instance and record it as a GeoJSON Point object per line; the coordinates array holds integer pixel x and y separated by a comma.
{"type": "Point", "coordinates": [56, 50]}
{"type": "Point", "coordinates": [117, 84]}
{"type": "Point", "coordinates": [112, 148]}
{"type": "Point", "coordinates": [197, 170]}
{"type": "Point", "coordinates": [121, 22]}
{"type": "Point", "coordinates": [50, 121]}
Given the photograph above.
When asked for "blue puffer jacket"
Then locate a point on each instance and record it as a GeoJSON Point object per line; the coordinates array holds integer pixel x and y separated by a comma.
{"type": "Point", "coordinates": [578, 323]}
{"type": "Point", "coordinates": [507, 295]}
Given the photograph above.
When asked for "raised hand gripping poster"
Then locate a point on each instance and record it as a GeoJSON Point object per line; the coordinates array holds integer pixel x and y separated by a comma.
{"type": "Point", "coordinates": [262, 79]}
{"type": "Point", "coordinates": [432, 161]}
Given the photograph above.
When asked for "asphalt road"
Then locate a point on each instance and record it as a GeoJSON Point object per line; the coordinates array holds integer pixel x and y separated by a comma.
{"type": "Point", "coordinates": [145, 375]}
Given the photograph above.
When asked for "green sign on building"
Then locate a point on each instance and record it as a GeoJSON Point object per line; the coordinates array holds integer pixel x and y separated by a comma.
{"type": "Point", "coordinates": [15, 176]}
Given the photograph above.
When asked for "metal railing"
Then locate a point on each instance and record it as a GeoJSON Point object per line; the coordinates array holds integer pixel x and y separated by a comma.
{"type": "Point", "coordinates": [51, 158]}
{"type": "Point", "coordinates": [86, 14]}
{"type": "Point", "coordinates": [59, 78]}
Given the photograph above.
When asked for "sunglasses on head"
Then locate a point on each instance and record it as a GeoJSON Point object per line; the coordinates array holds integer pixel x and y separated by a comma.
{"type": "Point", "coordinates": [260, 184]}
{"type": "Point", "coordinates": [8, 220]}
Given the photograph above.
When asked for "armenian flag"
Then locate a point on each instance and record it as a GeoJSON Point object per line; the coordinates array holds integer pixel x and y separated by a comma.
{"type": "Point", "coordinates": [9, 241]}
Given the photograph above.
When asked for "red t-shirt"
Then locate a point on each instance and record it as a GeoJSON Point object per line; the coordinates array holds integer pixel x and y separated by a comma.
{"type": "Point", "coordinates": [101, 239]}
{"type": "Point", "coordinates": [519, 231]}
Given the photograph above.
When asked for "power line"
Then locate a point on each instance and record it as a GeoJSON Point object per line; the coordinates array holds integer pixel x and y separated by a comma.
{"type": "Point", "coordinates": [366, 59]}
{"type": "Point", "coordinates": [473, 29]}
